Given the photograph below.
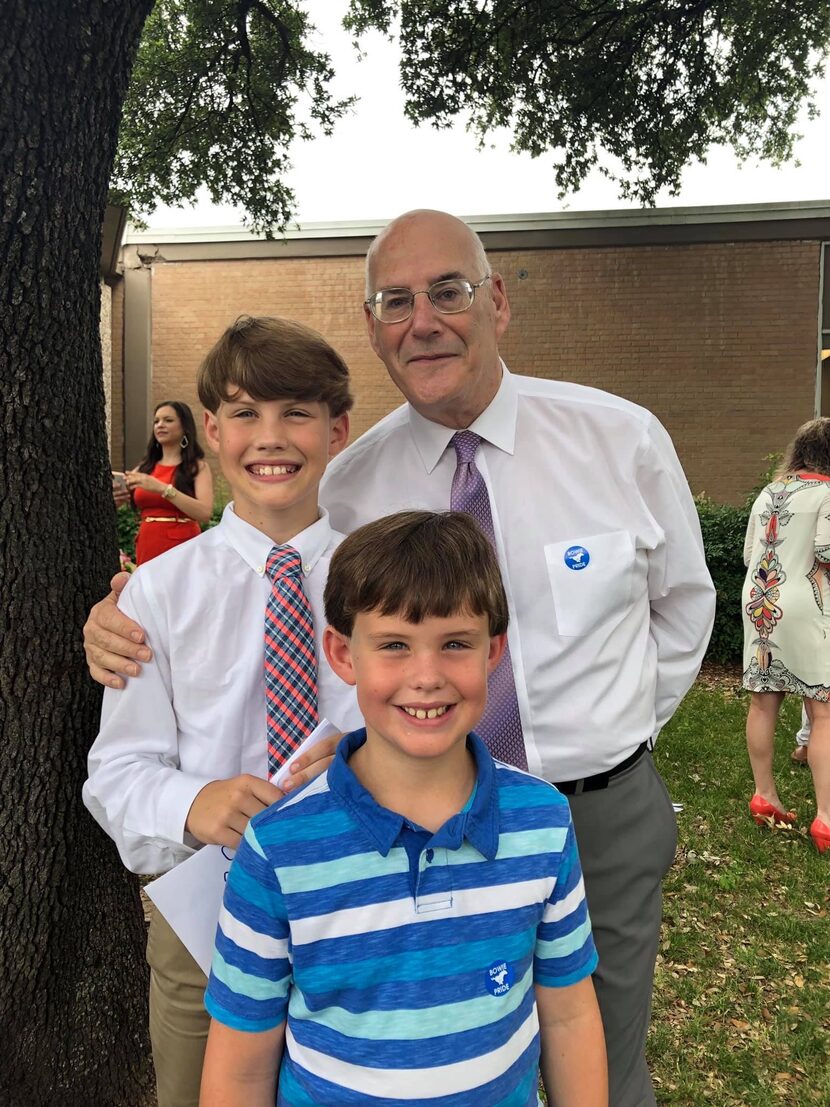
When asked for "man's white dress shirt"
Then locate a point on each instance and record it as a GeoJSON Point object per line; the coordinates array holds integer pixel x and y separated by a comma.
{"type": "Point", "coordinates": [197, 711]}
{"type": "Point", "coordinates": [611, 603]}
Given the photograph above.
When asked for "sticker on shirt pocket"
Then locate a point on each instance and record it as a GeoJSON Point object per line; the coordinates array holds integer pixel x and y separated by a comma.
{"type": "Point", "coordinates": [591, 580]}
{"type": "Point", "coordinates": [577, 558]}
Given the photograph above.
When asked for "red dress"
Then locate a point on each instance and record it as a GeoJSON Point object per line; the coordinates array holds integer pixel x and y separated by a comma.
{"type": "Point", "coordinates": [155, 537]}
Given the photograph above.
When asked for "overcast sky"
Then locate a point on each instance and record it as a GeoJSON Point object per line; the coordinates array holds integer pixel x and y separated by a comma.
{"type": "Point", "coordinates": [377, 165]}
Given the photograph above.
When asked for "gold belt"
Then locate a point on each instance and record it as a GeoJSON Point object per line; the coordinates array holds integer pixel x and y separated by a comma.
{"type": "Point", "coordinates": [167, 519]}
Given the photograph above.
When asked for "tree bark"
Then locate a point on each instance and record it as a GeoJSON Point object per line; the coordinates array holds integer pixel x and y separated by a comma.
{"type": "Point", "coordinates": [73, 982]}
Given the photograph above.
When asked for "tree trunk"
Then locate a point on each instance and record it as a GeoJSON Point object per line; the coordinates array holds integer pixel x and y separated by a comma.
{"type": "Point", "coordinates": [72, 976]}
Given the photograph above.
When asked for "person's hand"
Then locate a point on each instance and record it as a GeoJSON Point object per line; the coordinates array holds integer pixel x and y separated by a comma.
{"type": "Point", "coordinates": [221, 811]}
{"type": "Point", "coordinates": [311, 764]}
{"type": "Point", "coordinates": [114, 644]}
{"type": "Point", "coordinates": [120, 492]}
{"type": "Point", "coordinates": [146, 481]}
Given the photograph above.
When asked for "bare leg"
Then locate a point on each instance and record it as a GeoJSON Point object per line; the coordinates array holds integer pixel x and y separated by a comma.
{"type": "Point", "coordinates": [819, 754]}
{"type": "Point", "coordinates": [760, 733]}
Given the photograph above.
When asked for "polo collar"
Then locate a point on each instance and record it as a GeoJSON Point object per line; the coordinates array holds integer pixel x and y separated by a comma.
{"type": "Point", "coordinates": [496, 425]}
{"type": "Point", "coordinates": [479, 823]}
{"type": "Point", "coordinates": [254, 547]}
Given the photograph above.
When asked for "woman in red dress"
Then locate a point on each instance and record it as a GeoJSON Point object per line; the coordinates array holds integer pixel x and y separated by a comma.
{"type": "Point", "coordinates": [172, 486]}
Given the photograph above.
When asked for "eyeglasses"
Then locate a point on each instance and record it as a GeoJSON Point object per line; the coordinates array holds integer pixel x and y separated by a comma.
{"type": "Point", "coordinates": [394, 305]}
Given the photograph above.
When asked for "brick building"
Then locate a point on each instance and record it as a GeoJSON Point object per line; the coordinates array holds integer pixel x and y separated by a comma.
{"type": "Point", "coordinates": [717, 319]}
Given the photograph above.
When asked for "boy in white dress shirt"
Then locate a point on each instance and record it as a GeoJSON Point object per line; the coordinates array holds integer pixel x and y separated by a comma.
{"type": "Point", "coordinates": [181, 756]}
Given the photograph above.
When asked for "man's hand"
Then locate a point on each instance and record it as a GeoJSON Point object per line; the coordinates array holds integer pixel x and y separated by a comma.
{"type": "Point", "coordinates": [221, 811]}
{"type": "Point", "coordinates": [113, 643]}
{"type": "Point", "coordinates": [311, 764]}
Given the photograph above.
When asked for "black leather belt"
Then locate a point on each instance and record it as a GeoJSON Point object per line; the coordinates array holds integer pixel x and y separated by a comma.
{"type": "Point", "coordinates": [595, 783]}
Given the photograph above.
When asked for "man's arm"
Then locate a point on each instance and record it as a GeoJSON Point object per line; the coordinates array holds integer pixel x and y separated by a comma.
{"type": "Point", "coordinates": [680, 588]}
{"type": "Point", "coordinates": [241, 1068]}
{"type": "Point", "coordinates": [573, 1064]}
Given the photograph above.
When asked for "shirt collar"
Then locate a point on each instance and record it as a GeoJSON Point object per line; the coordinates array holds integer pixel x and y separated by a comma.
{"type": "Point", "coordinates": [479, 824]}
{"type": "Point", "coordinates": [253, 546]}
{"type": "Point", "coordinates": [496, 425]}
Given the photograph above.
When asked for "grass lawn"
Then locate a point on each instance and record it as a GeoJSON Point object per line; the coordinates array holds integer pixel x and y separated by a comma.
{"type": "Point", "coordinates": [742, 993]}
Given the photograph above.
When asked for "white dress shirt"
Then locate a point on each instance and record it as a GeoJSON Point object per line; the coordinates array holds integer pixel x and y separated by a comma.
{"type": "Point", "coordinates": [602, 654]}
{"type": "Point", "coordinates": [197, 711]}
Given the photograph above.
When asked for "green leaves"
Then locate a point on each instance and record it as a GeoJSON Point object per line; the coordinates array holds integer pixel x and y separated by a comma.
{"type": "Point", "coordinates": [637, 89]}
{"type": "Point", "coordinates": [652, 84]}
{"type": "Point", "coordinates": [219, 90]}
{"type": "Point", "coordinates": [723, 528]}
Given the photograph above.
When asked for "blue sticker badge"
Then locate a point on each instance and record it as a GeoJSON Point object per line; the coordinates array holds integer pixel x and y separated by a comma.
{"type": "Point", "coordinates": [577, 557]}
{"type": "Point", "coordinates": [499, 978]}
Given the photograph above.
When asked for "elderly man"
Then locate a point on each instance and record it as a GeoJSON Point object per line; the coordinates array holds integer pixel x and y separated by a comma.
{"type": "Point", "coordinates": [611, 604]}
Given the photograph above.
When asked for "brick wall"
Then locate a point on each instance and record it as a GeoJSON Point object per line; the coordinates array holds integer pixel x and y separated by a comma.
{"type": "Point", "coordinates": [116, 377]}
{"type": "Point", "coordinates": [719, 340]}
{"type": "Point", "coordinates": [105, 322]}
{"type": "Point", "coordinates": [193, 302]}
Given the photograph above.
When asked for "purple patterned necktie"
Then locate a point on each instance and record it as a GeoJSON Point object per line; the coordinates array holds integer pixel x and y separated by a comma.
{"type": "Point", "coordinates": [501, 725]}
{"type": "Point", "coordinates": [290, 659]}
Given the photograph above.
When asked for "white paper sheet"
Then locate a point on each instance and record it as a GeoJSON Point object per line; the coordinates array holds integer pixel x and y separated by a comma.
{"type": "Point", "coordinates": [323, 730]}
{"type": "Point", "coordinates": [190, 895]}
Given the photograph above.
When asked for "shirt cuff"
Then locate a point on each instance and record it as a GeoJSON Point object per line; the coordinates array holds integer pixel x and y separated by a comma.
{"type": "Point", "coordinates": [172, 801]}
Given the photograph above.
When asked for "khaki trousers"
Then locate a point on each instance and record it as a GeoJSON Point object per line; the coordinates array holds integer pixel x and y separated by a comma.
{"type": "Point", "coordinates": [178, 1019]}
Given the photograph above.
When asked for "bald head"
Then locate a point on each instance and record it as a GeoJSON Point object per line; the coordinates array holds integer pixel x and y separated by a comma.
{"type": "Point", "coordinates": [445, 362]}
{"type": "Point", "coordinates": [430, 221]}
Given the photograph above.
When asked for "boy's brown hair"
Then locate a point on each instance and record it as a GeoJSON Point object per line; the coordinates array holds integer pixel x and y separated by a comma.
{"type": "Point", "coordinates": [416, 564]}
{"type": "Point", "coordinates": [274, 359]}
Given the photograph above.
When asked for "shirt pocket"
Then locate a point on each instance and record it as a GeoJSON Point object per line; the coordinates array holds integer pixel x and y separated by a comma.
{"type": "Point", "coordinates": [591, 580]}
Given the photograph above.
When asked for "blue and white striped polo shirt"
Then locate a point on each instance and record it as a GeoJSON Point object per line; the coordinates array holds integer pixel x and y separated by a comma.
{"type": "Point", "coordinates": [406, 975]}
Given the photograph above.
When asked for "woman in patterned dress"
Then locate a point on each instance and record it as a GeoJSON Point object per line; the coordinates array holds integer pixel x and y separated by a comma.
{"type": "Point", "coordinates": [786, 607]}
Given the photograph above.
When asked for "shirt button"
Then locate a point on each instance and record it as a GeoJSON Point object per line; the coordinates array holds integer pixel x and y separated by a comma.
{"type": "Point", "coordinates": [306, 568]}
{"type": "Point", "coordinates": [430, 855]}
{"type": "Point", "coordinates": [260, 569]}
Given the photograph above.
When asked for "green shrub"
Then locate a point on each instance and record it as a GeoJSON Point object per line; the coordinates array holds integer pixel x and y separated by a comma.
{"type": "Point", "coordinates": [723, 528]}
{"type": "Point", "coordinates": [126, 520]}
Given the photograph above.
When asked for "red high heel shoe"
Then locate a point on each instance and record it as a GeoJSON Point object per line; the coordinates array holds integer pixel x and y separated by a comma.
{"type": "Point", "coordinates": [820, 833]}
{"type": "Point", "coordinates": [762, 812]}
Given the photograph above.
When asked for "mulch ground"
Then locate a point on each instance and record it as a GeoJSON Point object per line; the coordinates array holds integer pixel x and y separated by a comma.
{"type": "Point", "coordinates": [721, 678]}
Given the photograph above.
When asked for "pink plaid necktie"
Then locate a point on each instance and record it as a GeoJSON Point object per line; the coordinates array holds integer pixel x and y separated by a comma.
{"type": "Point", "coordinates": [290, 659]}
{"type": "Point", "coordinates": [501, 724]}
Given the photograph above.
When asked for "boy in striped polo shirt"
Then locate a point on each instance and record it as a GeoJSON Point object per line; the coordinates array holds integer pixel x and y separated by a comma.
{"type": "Point", "coordinates": [411, 926]}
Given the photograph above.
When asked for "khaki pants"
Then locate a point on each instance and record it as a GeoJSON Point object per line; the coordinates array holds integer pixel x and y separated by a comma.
{"type": "Point", "coordinates": [178, 1019]}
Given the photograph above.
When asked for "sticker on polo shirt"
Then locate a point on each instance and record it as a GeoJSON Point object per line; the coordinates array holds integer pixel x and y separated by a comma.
{"type": "Point", "coordinates": [577, 557]}
{"type": "Point", "coordinates": [499, 978]}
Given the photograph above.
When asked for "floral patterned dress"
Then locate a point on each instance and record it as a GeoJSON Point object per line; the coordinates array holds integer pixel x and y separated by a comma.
{"type": "Point", "coordinates": [786, 594]}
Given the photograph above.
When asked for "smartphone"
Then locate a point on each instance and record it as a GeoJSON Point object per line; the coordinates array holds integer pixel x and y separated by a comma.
{"type": "Point", "coordinates": [119, 482]}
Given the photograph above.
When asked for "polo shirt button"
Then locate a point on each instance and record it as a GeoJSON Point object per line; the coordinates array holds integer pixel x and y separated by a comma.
{"type": "Point", "coordinates": [430, 855]}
